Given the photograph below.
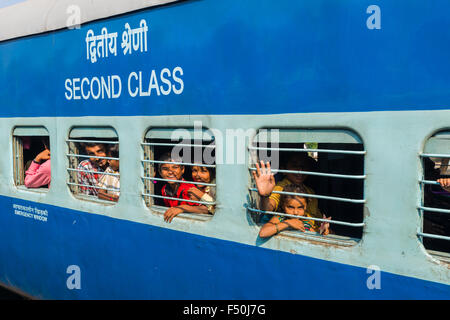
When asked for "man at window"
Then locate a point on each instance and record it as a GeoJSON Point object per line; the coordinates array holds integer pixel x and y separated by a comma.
{"type": "Point", "coordinates": [91, 169]}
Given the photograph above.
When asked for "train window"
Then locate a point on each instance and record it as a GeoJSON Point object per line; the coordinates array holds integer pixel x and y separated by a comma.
{"type": "Point", "coordinates": [179, 171]}
{"type": "Point", "coordinates": [94, 164]}
{"type": "Point", "coordinates": [328, 163]}
{"type": "Point", "coordinates": [31, 148]}
{"type": "Point", "coordinates": [434, 208]}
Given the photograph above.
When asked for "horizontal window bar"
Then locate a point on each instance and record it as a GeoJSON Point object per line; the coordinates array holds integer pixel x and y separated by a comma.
{"type": "Point", "coordinates": [362, 224]}
{"type": "Point", "coordinates": [181, 163]}
{"type": "Point", "coordinates": [180, 181]}
{"type": "Point", "coordinates": [435, 236]}
{"type": "Point", "coordinates": [433, 209]}
{"type": "Point", "coordinates": [93, 141]}
{"type": "Point", "coordinates": [179, 199]}
{"type": "Point", "coordinates": [176, 144]}
{"type": "Point", "coordinates": [307, 195]}
{"type": "Point", "coordinates": [434, 155]}
{"type": "Point", "coordinates": [94, 157]}
{"type": "Point", "coordinates": [97, 172]}
{"type": "Point", "coordinates": [309, 150]}
{"type": "Point", "coordinates": [429, 182]}
{"type": "Point", "coordinates": [313, 173]}
{"type": "Point", "coordinates": [92, 187]}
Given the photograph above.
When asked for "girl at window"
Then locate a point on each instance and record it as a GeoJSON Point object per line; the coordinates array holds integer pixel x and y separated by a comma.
{"type": "Point", "coordinates": [297, 206]}
{"type": "Point", "coordinates": [203, 192]}
{"type": "Point", "coordinates": [173, 172]}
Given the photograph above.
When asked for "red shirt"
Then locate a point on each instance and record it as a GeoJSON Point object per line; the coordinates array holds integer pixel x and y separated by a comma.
{"type": "Point", "coordinates": [182, 193]}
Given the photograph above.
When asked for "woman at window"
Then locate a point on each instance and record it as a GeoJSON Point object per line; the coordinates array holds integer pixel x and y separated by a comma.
{"type": "Point", "coordinates": [38, 174]}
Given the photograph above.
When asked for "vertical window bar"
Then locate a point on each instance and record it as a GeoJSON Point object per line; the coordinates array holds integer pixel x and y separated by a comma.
{"type": "Point", "coordinates": [15, 161]}
{"type": "Point", "coordinates": [73, 163]}
{"type": "Point", "coordinates": [148, 171]}
{"type": "Point", "coordinates": [18, 162]}
{"type": "Point", "coordinates": [432, 150]}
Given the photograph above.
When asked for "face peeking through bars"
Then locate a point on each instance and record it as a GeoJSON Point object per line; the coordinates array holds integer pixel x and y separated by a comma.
{"type": "Point", "coordinates": [96, 150]}
{"type": "Point", "coordinates": [297, 162]}
{"type": "Point", "coordinates": [170, 171]}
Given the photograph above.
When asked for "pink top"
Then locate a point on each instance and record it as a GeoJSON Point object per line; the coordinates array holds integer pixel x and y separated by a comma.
{"type": "Point", "coordinates": [38, 175]}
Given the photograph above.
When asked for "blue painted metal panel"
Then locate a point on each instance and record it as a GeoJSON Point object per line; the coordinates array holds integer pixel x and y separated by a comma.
{"type": "Point", "coordinates": [126, 260]}
{"type": "Point", "coordinates": [246, 57]}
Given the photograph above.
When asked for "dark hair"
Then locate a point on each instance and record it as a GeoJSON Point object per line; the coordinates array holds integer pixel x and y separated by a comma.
{"type": "Point", "coordinates": [113, 151]}
{"type": "Point", "coordinates": [303, 159]}
{"type": "Point", "coordinates": [90, 144]}
{"type": "Point", "coordinates": [212, 171]}
{"type": "Point", "coordinates": [294, 188]}
{"type": "Point", "coordinates": [46, 142]}
{"type": "Point", "coordinates": [167, 157]}
{"type": "Point", "coordinates": [85, 145]}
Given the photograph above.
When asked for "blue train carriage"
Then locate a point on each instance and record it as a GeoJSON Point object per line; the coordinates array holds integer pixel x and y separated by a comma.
{"type": "Point", "coordinates": [359, 87]}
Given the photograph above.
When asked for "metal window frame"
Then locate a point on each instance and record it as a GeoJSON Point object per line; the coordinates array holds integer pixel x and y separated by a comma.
{"type": "Point", "coordinates": [148, 162]}
{"type": "Point", "coordinates": [323, 134]}
{"type": "Point", "coordinates": [74, 156]}
{"type": "Point", "coordinates": [434, 142]}
{"type": "Point", "coordinates": [17, 149]}
{"type": "Point", "coordinates": [18, 166]}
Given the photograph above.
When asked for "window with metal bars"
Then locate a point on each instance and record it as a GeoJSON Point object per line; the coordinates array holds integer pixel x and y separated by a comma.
{"type": "Point", "coordinates": [179, 169]}
{"type": "Point", "coordinates": [31, 161]}
{"type": "Point", "coordinates": [331, 164]}
{"type": "Point", "coordinates": [93, 170]}
{"type": "Point", "coordinates": [434, 209]}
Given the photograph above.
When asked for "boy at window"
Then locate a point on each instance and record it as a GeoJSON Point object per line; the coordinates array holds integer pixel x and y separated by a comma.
{"type": "Point", "coordinates": [110, 179]}
{"type": "Point", "coordinates": [91, 169]}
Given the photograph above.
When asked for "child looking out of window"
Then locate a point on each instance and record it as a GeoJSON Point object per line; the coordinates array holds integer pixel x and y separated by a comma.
{"type": "Point", "coordinates": [175, 191]}
{"type": "Point", "coordinates": [293, 205]}
{"type": "Point", "coordinates": [206, 193]}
